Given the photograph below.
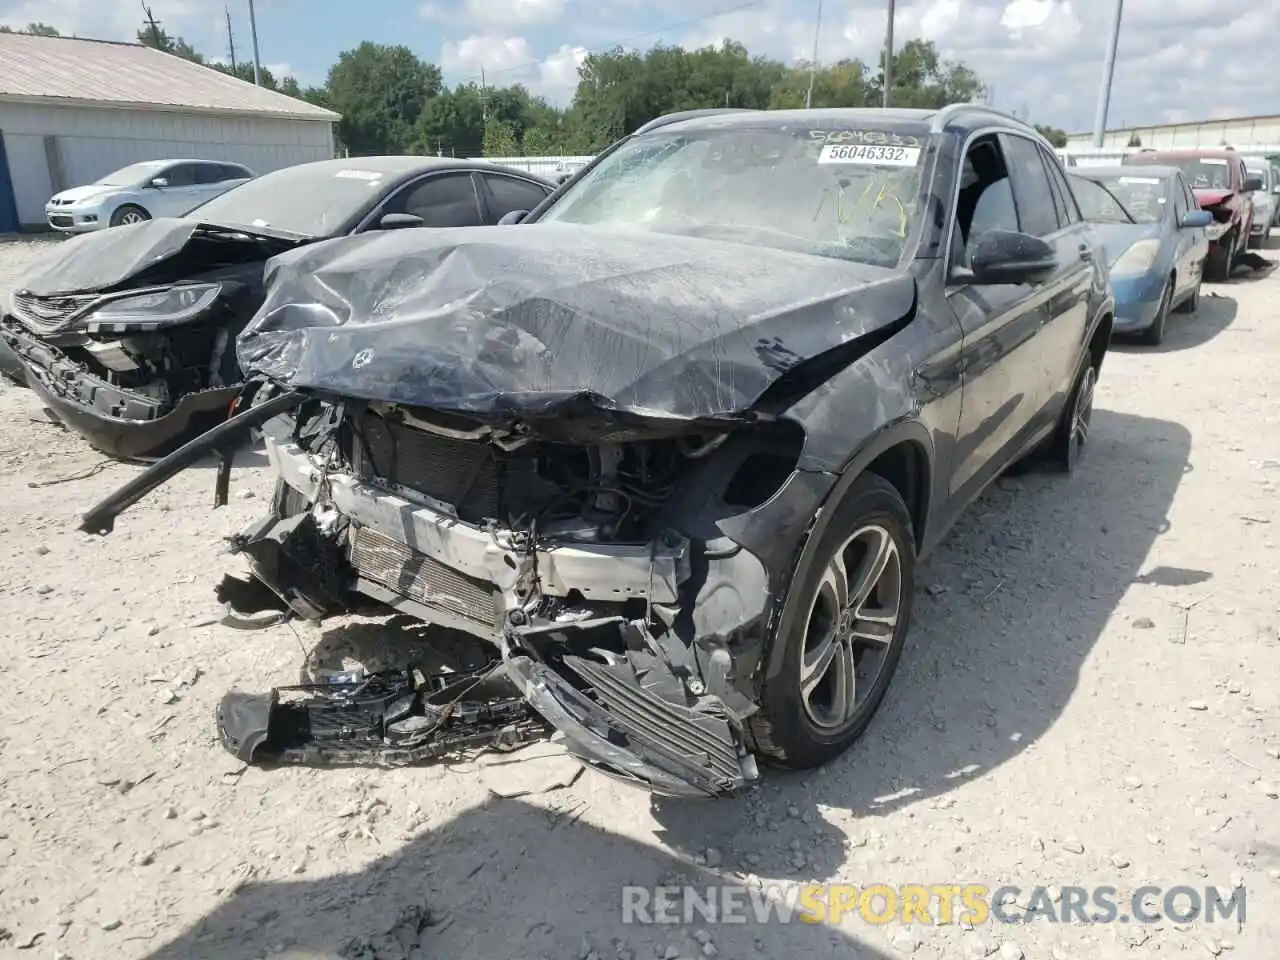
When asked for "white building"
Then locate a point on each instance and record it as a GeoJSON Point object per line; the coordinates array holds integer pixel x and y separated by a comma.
{"type": "Point", "coordinates": [1238, 132]}
{"type": "Point", "coordinates": [74, 110]}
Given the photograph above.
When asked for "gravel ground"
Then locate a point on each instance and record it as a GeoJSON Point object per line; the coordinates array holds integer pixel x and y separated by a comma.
{"type": "Point", "coordinates": [1089, 697]}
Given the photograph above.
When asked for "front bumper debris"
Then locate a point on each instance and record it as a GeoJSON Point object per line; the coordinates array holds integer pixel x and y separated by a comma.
{"type": "Point", "coordinates": [390, 719]}
{"type": "Point", "coordinates": [120, 423]}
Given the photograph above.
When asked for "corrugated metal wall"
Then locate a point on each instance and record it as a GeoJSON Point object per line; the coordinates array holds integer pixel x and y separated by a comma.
{"type": "Point", "coordinates": [77, 145]}
{"type": "Point", "coordinates": [1208, 133]}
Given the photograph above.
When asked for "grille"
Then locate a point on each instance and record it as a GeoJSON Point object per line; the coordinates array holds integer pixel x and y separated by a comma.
{"type": "Point", "coordinates": [61, 220]}
{"type": "Point", "coordinates": [48, 313]}
{"type": "Point", "coordinates": [418, 577]}
{"type": "Point", "coordinates": [463, 473]}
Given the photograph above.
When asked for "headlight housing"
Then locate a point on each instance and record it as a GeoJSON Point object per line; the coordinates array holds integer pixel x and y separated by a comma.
{"type": "Point", "coordinates": [153, 309]}
{"type": "Point", "coordinates": [1139, 258]}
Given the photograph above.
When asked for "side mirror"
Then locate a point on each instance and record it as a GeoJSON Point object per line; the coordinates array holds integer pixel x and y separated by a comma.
{"type": "Point", "coordinates": [1252, 183]}
{"type": "Point", "coordinates": [399, 221]}
{"type": "Point", "coordinates": [1276, 189]}
{"type": "Point", "coordinates": [1196, 218]}
{"type": "Point", "coordinates": [1006, 256]}
{"type": "Point", "coordinates": [512, 216]}
{"type": "Point", "coordinates": [159, 182]}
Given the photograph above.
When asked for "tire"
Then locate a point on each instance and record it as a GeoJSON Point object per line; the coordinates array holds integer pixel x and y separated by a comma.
{"type": "Point", "coordinates": [1068, 440]}
{"type": "Point", "coordinates": [801, 731]}
{"type": "Point", "coordinates": [1217, 266]}
{"type": "Point", "coordinates": [1154, 334]}
{"type": "Point", "coordinates": [129, 213]}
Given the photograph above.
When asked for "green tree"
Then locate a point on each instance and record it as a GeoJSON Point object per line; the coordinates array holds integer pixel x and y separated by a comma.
{"type": "Point", "coordinates": [34, 29]}
{"type": "Point", "coordinates": [1055, 136]}
{"type": "Point", "coordinates": [499, 139]}
{"type": "Point", "coordinates": [161, 39]}
{"type": "Point", "coordinates": [843, 84]}
{"type": "Point", "coordinates": [923, 79]}
{"type": "Point", "coordinates": [452, 123]}
{"type": "Point", "coordinates": [381, 92]}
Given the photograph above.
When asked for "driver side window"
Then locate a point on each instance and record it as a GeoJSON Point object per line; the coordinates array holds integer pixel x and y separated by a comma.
{"type": "Point", "coordinates": [986, 197]}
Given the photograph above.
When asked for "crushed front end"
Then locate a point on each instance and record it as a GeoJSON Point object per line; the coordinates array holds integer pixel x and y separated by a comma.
{"type": "Point", "coordinates": [596, 570]}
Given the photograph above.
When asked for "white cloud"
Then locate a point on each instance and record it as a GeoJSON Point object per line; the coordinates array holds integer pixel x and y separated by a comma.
{"type": "Point", "coordinates": [505, 60]}
{"type": "Point", "coordinates": [494, 13]}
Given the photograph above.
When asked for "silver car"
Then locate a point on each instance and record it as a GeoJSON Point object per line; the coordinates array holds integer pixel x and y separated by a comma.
{"type": "Point", "coordinates": [141, 191]}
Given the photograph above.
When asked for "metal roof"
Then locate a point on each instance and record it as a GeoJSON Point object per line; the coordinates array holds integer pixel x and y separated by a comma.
{"type": "Point", "coordinates": [76, 72]}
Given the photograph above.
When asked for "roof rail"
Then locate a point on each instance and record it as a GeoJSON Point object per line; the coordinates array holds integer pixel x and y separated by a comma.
{"type": "Point", "coordinates": [952, 110]}
{"type": "Point", "coordinates": [669, 118]}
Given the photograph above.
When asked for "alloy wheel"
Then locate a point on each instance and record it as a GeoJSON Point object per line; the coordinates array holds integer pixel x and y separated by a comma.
{"type": "Point", "coordinates": [1082, 413]}
{"type": "Point", "coordinates": [132, 216]}
{"type": "Point", "coordinates": [851, 627]}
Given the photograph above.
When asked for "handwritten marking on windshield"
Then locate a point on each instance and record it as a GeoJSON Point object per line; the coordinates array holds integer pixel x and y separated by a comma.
{"type": "Point", "coordinates": [870, 137]}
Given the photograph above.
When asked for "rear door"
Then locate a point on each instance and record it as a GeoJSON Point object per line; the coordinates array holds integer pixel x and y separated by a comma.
{"type": "Point", "coordinates": [1197, 239]}
{"type": "Point", "coordinates": [1047, 209]}
{"type": "Point", "coordinates": [503, 193]}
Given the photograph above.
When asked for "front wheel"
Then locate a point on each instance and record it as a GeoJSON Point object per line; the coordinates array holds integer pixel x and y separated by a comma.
{"type": "Point", "coordinates": [1154, 334]}
{"type": "Point", "coordinates": [843, 627]}
{"type": "Point", "coordinates": [1218, 264]}
{"type": "Point", "coordinates": [129, 213]}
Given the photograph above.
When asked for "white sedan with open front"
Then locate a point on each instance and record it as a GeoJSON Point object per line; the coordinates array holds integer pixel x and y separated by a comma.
{"type": "Point", "coordinates": [141, 191]}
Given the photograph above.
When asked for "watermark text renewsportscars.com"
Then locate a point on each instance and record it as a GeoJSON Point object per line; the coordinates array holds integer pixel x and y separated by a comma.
{"type": "Point", "coordinates": [970, 904]}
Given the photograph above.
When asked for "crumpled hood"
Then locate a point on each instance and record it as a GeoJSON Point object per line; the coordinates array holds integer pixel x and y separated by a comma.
{"type": "Point", "coordinates": [94, 262]}
{"type": "Point", "coordinates": [529, 319]}
{"type": "Point", "coordinates": [90, 191]}
{"type": "Point", "coordinates": [1118, 237]}
{"type": "Point", "coordinates": [1210, 197]}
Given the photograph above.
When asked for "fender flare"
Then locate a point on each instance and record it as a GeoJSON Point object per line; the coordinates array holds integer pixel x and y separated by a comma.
{"type": "Point", "coordinates": [907, 430]}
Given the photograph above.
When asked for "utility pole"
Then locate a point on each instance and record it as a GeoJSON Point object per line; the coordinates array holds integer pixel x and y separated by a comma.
{"type": "Point", "coordinates": [888, 58]}
{"type": "Point", "coordinates": [813, 63]}
{"type": "Point", "coordinates": [154, 24]}
{"type": "Point", "coordinates": [231, 40]}
{"type": "Point", "coordinates": [1108, 73]}
{"type": "Point", "coordinates": [484, 100]}
{"type": "Point", "coordinates": [253, 29]}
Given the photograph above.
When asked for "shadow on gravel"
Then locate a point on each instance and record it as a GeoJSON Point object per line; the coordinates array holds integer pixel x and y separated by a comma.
{"type": "Point", "coordinates": [1009, 608]}
{"type": "Point", "coordinates": [503, 879]}
{"type": "Point", "coordinates": [1187, 331]}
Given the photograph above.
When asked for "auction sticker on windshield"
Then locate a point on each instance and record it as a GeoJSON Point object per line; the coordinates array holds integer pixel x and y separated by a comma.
{"type": "Point", "coordinates": [883, 156]}
{"type": "Point", "coordinates": [369, 175]}
{"type": "Point", "coordinates": [1152, 180]}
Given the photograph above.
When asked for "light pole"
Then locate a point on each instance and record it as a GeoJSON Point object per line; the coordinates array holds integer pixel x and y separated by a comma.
{"type": "Point", "coordinates": [813, 63]}
{"type": "Point", "coordinates": [888, 58]}
{"type": "Point", "coordinates": [1108, 72]}
{"type": "Point", "coordinates": [253, 29]}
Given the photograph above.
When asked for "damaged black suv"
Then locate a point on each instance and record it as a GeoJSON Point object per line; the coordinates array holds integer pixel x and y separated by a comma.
{"type": "Point", "coordinates": [675, 443]}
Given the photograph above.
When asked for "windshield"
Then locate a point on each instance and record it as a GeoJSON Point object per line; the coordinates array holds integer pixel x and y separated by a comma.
{"type": "Point", "coordinates": [309, 200]}
{"type": "Point", "coordinates": [1205, 173]}
{"type": "Point", "coordinates": [132, 175]}
{"type": "Point", "coordinates": [1139, 199]}
{"type": "Point", "coordinates": [1263, 174]}
{"type": "Point", "coordinates": [846, 194]}
{"type": "Point", "coordinates": [1097, 203]}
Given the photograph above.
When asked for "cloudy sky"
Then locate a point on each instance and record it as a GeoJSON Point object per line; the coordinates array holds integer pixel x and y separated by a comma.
{"type": "Point", "coordinates": [1179, 59]}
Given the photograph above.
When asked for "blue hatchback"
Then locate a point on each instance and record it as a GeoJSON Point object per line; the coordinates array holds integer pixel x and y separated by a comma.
{"type": "Point", "coordinates": [1155, 237]}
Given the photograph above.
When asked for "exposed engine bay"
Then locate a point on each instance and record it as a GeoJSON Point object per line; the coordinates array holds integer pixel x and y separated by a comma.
{"type": "Point", "coordinates": [585, 565]}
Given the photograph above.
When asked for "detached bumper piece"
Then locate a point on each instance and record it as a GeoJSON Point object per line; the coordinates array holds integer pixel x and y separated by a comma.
{"type": "Point", "coordinates": [391, 719]}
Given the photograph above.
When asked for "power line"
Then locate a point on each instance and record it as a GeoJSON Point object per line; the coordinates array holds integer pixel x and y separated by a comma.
{"type": "Point", "coordinates": [626, 40]}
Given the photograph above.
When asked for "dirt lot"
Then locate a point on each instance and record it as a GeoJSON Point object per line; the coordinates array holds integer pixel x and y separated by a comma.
{"type": "Point", "coordinates": [1090, 697]}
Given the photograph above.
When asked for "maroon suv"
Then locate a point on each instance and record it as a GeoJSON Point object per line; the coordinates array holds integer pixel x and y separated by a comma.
{"type": "Point", "coordinates": [1224, 188]}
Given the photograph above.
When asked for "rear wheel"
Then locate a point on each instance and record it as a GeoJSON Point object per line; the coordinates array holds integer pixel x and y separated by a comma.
{"type": "Point", "coordinates": [129, 213]}
{"type": "Point", "coordinates": [843, 629]}
{"type": "Point", "coordinates": [1192, 303]}
{"type": "Point", "coordinates": [1154, 334]}
{"type": "Point", "coordinates": [1072, 431]}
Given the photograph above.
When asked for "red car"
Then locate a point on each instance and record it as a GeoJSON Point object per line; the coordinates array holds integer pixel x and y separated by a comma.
{"type": "Point", "coordinates": [1222, 186]}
